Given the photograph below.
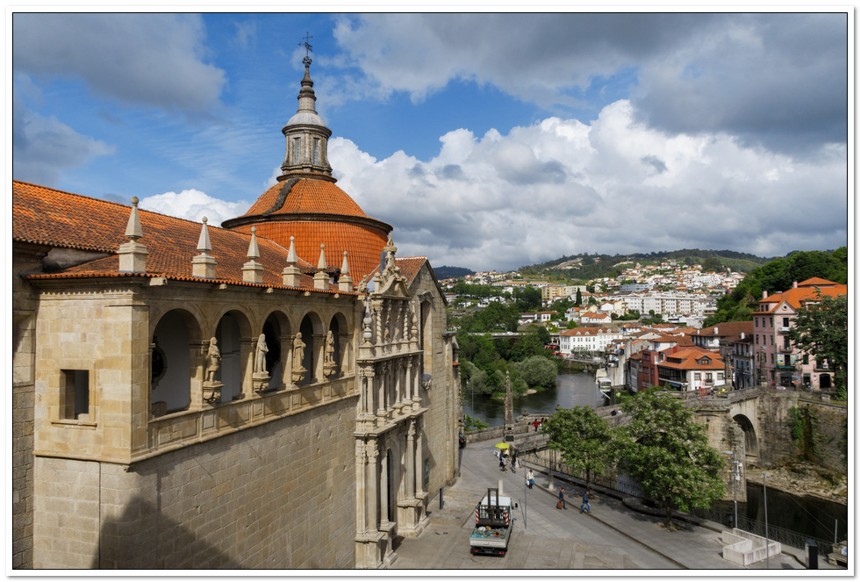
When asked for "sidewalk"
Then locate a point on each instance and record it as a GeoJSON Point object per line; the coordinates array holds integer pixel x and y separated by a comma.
{"type": "Point", "coordinates": [612, 537]}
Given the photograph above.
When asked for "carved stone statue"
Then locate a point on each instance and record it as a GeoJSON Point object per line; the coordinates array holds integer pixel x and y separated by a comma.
{"type": "Point", "coordinates": [260, 355]}
{"type": "Point", "coordinates": [329, 363]}
{"type": "Point", "coordinates": [298, 352]}
{"type": "Point", "coordinates": [213, 360]}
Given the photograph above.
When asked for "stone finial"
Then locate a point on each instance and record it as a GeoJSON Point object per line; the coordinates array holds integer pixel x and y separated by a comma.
{"type": "Point", "coordinates": [133, 230]}
{"type": "Point", "coordinates": [252, 271]}
{"type": "Point", "coordinates": [290, 276]}
{"type": "Point", "coordinates": [132, 254]}
{"type": "Point", "coordinates": [292, 258]}
{"type": "Point", "coordinates": [321, 264]}
{"type": "Point", "coordinates": [321, 277]}
{"type": "Point", "coordinates": [203, 265]}
{"type": "Point", "coordinates": [204, 245]}
{"type": "Point", "coordinates": [344, 283]}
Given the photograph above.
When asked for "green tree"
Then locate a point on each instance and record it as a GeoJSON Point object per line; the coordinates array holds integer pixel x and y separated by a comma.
{"type": "Point", "coordinates": [667, 452]}
{"type": "Point", "coordinates": [537, 372]}
{"type": "Point", "coordinates": [821, 330]}
{"type": "Point", "coordinates": [578, 301]}
{"type": "Point", "coordinates": [528, 298]}
{"type": "Point", "coordinates": [584, 439]}
{"type": "Point", "coordinates": [712, 265]}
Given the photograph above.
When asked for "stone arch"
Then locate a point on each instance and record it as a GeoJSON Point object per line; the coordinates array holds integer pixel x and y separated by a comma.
{"type": "Point", "coordinates": [278, 332]}
{"type": "Point", "coordinates": [750, 437]}
{"type": "Point", "coordinates": [313, 336]}
{"type": "Point", "coordinates": [174, 361]}
{"type": "Point", "coordinates": [235, 341]}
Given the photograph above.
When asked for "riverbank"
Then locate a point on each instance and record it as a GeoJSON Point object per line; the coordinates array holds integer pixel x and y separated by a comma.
{"type": "Point", "coordinates": [802, 479]}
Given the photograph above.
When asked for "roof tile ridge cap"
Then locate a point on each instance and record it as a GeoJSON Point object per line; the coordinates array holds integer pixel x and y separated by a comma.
{"type": "Point", "coordinates": [282, 196]}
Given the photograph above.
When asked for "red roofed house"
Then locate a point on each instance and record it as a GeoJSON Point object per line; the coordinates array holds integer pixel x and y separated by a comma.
{"type": "Point", "coordinates": [690, 369]}
{"type": "Point", "coordinates": [778, 362]}
{"type": "Point", "coordinates": [278, 393]}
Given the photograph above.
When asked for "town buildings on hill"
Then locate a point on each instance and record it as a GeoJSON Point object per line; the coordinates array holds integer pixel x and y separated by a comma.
{"type": "Point", "coordinates": [270, 394]}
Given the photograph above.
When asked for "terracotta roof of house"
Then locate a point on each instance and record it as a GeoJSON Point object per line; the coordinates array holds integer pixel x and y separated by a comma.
{"type": "Point", "coordinates": [727, 328]}
{"type": "Point", "coordinates": [689, 359]}
{"type": "Point", "coordinates": [55, 218]}
{"type": "Point", "coordinates": [808, 290]}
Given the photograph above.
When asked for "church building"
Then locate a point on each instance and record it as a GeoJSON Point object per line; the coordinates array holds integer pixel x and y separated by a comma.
{"type": "Point", "coordinates": [279, 393]}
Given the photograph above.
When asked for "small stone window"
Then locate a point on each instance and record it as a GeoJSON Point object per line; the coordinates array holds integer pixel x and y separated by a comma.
{"type": "Point", "coordinates": [75, 395]}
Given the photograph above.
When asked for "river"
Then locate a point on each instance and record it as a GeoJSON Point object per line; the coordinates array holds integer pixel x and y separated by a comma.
{"type": "Point", "coordinates": [570, 390]}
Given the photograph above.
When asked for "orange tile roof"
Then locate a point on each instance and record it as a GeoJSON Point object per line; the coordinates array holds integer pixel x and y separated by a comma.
{"type": "Point", "coordinates": [362, 243]}
{"type": "Point", "coordinates": [727, 328]}
{"type": "Point", "coordinates": [305, 196]}
{"type": "Point", "coordinates": [688, 359]}
{"type": "Point", "coordinates": [60, 219]}
{"type": "Point", "coordinates": [806, 291]}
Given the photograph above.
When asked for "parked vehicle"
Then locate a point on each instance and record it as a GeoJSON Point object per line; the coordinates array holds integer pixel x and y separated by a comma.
{"type": "Point", "coordinates": [493, 525]}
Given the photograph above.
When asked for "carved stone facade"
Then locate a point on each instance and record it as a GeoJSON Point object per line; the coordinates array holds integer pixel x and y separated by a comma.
{"type": "Point", "coordinates": [182, 402]}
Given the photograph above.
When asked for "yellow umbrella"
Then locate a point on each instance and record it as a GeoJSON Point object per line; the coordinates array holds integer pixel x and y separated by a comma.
{"type": "Point", "coordinates": [503, 446]}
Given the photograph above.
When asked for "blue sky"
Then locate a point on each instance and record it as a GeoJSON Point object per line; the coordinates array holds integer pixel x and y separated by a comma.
{"type": "Point", "coordinates": [487, 140]}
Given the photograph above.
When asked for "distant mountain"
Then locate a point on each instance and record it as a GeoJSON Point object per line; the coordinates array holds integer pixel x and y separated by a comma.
{"type": "Point", "coordinates": [446, 272]}
{"type": "Point", "coordinates": [588, 266]}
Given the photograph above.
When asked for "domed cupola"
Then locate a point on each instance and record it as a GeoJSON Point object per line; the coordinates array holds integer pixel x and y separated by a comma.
{"type": "Point", "coordinates": [307, 136]}
{"type": "Point", "coordinates": [306, 204]}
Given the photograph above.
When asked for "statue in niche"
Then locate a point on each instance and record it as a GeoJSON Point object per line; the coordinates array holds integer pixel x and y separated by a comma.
{"type": "Point", "coordinates": [213, 360]}
{"type": "Point", "coordinates": [298, 358]}
{"type": "Point", "coordinates": [298, 352]}
{"type": "Point", "coordinates": [211, 386]}
{"type": "Point", "coordinates": [260, 356]}
{"type": "Point", "coordinates": [329, 363]}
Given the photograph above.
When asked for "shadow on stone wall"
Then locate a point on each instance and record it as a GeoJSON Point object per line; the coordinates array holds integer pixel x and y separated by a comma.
{"type": "Point", "coordinates": [141, 539]}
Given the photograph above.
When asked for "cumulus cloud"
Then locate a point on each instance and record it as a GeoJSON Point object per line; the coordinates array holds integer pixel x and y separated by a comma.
{"type": "Point", "coordinates": [614, 185]}
{"type": "Point", "coordinates": [773, 79]}
{"type": "Point", "coordinates": [194, 205]}
{"type": "Point", "coordinates": [45, 147]}
{"type": "Point", "coordinates": [148, 59]}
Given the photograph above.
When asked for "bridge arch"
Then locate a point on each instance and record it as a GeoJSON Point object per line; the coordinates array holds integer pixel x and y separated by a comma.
{"type": "Point", "coordinates": [750, 437]}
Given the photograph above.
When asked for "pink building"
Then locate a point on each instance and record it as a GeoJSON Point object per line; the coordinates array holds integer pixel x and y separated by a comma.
{"type": "Point", "coordinates": [777, 361]}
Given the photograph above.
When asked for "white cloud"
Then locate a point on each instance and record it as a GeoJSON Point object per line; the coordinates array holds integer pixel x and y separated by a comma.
{"type": "Point", "coordinates": [45, 147]}
{"type": "Point", "coordinates": [777, 79]}
{"type": "Point", "coordinates": [560, 186]}
{"type": "Point", "coordinates": [150, 59]}
{"type": "Point", "coordinates": [194, 205]}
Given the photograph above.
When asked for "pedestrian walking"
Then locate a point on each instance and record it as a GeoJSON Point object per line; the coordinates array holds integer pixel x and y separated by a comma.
{"type": "Point", "coordinates": [530, 478]}
{"type": "Point", "coordinates": [536, 424]}
{"type": "Point", "coordinates": [562, 504]}
{"type": "Point", "coordinates": [586, 506]}
{"type": "Point", "coordinates": [501, 462]}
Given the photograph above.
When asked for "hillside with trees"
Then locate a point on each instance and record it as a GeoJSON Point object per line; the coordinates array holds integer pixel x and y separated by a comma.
{"type": "Point", "coordinates": [777, 276]}
{"type": "Point", "coordinates": [587, 266]}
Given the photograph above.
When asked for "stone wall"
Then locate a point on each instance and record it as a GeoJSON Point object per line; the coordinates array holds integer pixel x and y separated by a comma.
{"type": "Point", "coordinates": [25, 259]}
{"type": "Point", "coordinates": [441, 420]}
{"type": "Point", "coordinates": [277, 496]}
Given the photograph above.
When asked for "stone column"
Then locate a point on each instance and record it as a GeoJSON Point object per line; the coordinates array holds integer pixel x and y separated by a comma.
{"type": "Point", "coordinates": [383, 488]}
{"type": "Point", "coordinates": [318, 356]}
{"type": "Point", "coordinates": [419, 459]}
{"type": "Point", "coordinates": [246, 357]}
{"type": "Point", "coordinates": [360, 487]}
{"type": "Point", "coordinates": [380, 404]}
{"type": "Point", "coordinates": [410, 460]}
{"type": "Point", "coordinates": [372, 481]}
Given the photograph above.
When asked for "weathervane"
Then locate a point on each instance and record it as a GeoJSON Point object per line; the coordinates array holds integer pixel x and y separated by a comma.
{"type": "Point", "coordinates": [308, 49]}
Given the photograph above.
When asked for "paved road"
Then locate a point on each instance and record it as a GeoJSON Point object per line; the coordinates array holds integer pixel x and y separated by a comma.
{"type": "Point", "coordinates": [612, 537]}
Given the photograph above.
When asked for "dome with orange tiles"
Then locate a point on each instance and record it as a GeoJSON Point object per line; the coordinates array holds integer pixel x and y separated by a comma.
{"type": "Point", "coordinates": [306, 204]}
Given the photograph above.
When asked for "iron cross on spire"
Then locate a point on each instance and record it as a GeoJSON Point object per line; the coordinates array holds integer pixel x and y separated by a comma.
{"type": "Point", "coordinates": [308, 49]}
